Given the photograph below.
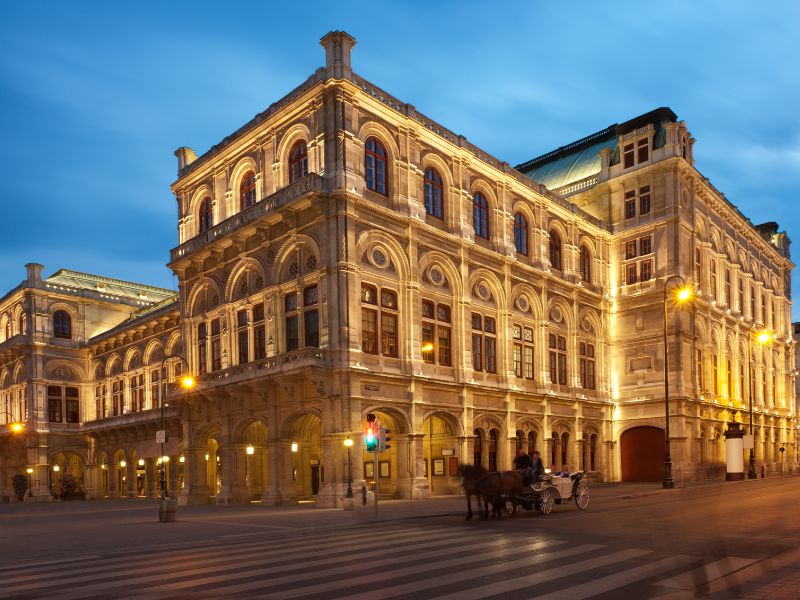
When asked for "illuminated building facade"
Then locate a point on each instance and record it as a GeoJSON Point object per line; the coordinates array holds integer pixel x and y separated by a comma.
{"type": "Point", "coordinates": [342, 254]}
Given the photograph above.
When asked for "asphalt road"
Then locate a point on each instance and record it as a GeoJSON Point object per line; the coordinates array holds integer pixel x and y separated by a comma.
{"type": "Point", "coordinates": [633, 542]}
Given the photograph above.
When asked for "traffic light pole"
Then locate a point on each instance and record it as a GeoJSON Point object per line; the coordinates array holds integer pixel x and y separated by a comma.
{"type": "Point", "coordinates": [377, 479]}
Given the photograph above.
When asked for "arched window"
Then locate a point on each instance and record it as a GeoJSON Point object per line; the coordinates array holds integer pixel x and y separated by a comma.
{"type": "Point", "coordinates": [586, 265]}
{"type": "Point", "coordinates": [206, 217]}
{"type": "Point", "coordinates": [493, 438]}
{"type": "Point", "coordinates": [375, 167]}
{"type": "Point", "coordinates": [480, 215]}
{"type": "Point", "coordinates": [555, 250]}
{"type": "Point", "coordinates": [298, 161]}
{"type": "Point", "coordinates": [8, 329]}
{"type": "Point", "coordinates": [433, 193]}
{"type": "Point", "coordinates": [531, 442]}
{"type": "Point", "coordinates": [22, 324]}
{"type": "Point", "coordinates": [477, 450]}
{"type": "Point", "coordinates": [520, 440]}
{"type": "Point", "coordinates": [564, 447]}
{"type": "Point", "coordinates": [247, 190]}
{"type": "Point", "coordinates": [521, 234]}
{"type": "Point", "coordinates": [62, 325]}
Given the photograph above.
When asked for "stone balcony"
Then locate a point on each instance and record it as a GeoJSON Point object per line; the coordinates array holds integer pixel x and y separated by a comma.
{"type": "Point", "coordinates": [310, 184]}
{"type": "Point", "coordinates": [258, 369]}
{"type": "Point", "coordinates": [149, 416]}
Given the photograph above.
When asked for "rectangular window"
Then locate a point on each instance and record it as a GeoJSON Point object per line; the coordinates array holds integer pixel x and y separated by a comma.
{"type": "Point", "coordinates": [477, 358]}
{"type": "Point", "coordinates": [311, 326]}
{"type": "Point", "coordinates": [646, 270]}
{"type": "Point", "coordinates": [727, 287]}
{"type": "Point", "coordinates": [558, 359]}
{"type": "Point", "coordinates": [713, 271]}
{"type": "Point", "coordinates": [445, 358]}
{"type": "Point", "coordinates": [627, 155]}
{"type": "Point", "coordinates": [292, 333]}
{"type": "Point", "coordinates": [202, 348]}
{"type": "Point", "coordinates": [644, 200]}
{"type": "Point", "coordinates": [369, 331]}
{"type": "Point", "coordinates": [630, 204]}
{"type": "Point", "coordinates": [54, 404]}
{"type": "Point", "coordinates": [699, 369]}
{"type": "Point", "coordinates": [698, 265]}
{"type": "Point", "coordinates": [630, 249]}
{"type": "Point", "coordinates": [729, 378]}
{"type": "Point", "coordinates": [491, 354]}
{"type": "Point", "coordinates": [216, 349]}
{"type": "Point", "coordinates": [642, 150]}
{"type": "Point", "coordinates": [587, 365]}
{"type": "Point", "coordinates": [243, 337]}
{"type": "Point", "coordinates": [741, 295]}
{"type": "Point", "coordinates": [752, 302]}
{"type": "Point", "coordinates": [427, 342]}
{"type": "Point", "coordinates": [715, 375]}
{"type": "Point", "coordinates": [529, 362]}
{"type": "Point", "coordinates": [645, 245]}
{"type": "Point", "coordinates": [154, 392]}
{"type": "Point", "coordinates": [630, 275]}
{"type": "Point", "coordinates": [259, 332]}
{"type": "Point", "coordinates": [72, 405]}
{"type": "Point", "coordinates": [518, 360]}
{"type": "Point", "coordinates": [389, 334]}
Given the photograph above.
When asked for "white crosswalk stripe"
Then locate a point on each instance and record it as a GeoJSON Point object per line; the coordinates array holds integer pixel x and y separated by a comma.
{"type": "Point", "coordinates": [364, 564]}
{"type": "Point", "coordinates": [158, 560]}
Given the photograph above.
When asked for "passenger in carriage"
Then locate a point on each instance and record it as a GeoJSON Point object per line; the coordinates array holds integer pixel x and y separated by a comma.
{"type": "Point", "coordinates": [533, 474]}
{"type": "Point", "coordinates": [522, 460]}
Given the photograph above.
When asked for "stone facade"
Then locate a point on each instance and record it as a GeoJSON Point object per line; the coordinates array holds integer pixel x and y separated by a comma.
{"type": "Point", "coordinates": [341, 254]}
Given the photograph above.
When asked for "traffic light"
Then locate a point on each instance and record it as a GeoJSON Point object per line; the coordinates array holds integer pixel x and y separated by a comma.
{"type": "Point", "coordinates": [370, 438]}
{"type": "Point", "coordinates": [383, 439]}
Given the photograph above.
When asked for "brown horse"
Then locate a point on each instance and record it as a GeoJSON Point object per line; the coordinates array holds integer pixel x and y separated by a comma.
{"type": "Point", "coordinates": [490, 487]}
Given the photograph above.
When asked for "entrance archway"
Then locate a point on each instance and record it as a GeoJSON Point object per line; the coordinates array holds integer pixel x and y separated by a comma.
{"type": "Point", "coordinates": [66, 476]}
{"type": "Point", "coordinates": [251, 453]}
{"type": "Point", "coordinates": [440, 453]}
{"type": "Point", "coordinates": [642, 454]}
{"type": "Point", "coordinates": [303, 432]}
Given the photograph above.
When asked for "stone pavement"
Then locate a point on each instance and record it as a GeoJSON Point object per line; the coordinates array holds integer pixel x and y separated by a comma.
{"type": "Point", "coordinates": [783, 584]}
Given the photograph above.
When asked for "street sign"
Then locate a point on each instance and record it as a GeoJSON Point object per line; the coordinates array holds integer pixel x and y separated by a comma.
{"type": "Point", "coordinates": [161, 436]}
{"type": "Point", "coordinates": [448, 451]}
{"type": "Point", "coordinates": [748, 442]}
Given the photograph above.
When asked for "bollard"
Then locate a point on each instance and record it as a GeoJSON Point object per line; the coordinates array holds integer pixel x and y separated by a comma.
{"type": "Point", "coordinates": [167, 510]}
{"type": "Point", "coordinates": [363, 495]}
{"type": "Point", "coordinates": [763, 471]}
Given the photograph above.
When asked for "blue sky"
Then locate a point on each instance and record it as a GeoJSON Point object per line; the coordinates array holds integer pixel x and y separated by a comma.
{"type": "Point", "coordinates": [95, 97]}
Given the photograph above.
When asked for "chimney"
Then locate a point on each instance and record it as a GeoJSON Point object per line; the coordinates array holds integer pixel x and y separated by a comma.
{"type": "Point", "coordinates": [186, 156]}
{"type": "Point", "coordinates": [338, 45]}
{"type": "Point", "coordinates": [34, 274]}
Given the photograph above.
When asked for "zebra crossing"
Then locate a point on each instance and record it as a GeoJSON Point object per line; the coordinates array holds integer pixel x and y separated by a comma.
{"type": "Point", "coordinates": [374, 562]}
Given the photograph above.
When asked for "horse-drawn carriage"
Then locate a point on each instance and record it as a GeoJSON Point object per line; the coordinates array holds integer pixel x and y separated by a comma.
{"type": "Point", "coordinates": [553, 489]}
{"type": "Point", "coordinates": [506, 491]}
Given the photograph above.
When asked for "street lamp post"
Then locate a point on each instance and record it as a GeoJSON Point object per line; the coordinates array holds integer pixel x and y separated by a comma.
{"type": "Point", "coordinates": [348, 443]}
{"type": "Point", "coordinates": [187, 382]}
{"type": "Point", "coordinates": [683, 294]}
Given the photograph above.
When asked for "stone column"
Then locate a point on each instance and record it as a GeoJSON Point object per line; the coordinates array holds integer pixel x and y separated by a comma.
{"type": "Point", "coordinates": [240, 471]}
{"type": "Point", "coordinates": [227, 456]}
{"type": "Point", "coordinates": [195, 486]}
{"type": "Point", "coordinates": [420, 489]}
{"type": "Point", "coordinates": [131, 479]}
{"type": "Point", "coordinates": [271, 495]}
{"type": "Point", "coordinates": [172, 476]}
{"type": "Point", "coordinates": [113, 479]}
{"type": "Point", "coordinates": [152, 474]}
{"type": "Point", "coordinates": [334, 465]}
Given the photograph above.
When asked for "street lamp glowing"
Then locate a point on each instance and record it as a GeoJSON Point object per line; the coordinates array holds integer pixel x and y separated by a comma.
{"type": "Point", "coordinates": [251, 450]}
{"type": "Point", "coordinates": [30, 470]}
{"type": "Point", "coordinates": [294, 446]}
{"type": "Point", "coordinates": [56, 468]}
{"type": "Point", "coordinates": [763, 337]}
{"type": "Point", "coordinates": [683, 294]}
{"type": "Point", "coordinates": [123, 464]}
{"type": "Point", "coordinates": [427, 347]}
{"type": "Point", "coordinates": [187, 382]}
{"type": "Point", "coordinates": [348, 442]}
{"type": "Point", "coordinates": [17, 427]}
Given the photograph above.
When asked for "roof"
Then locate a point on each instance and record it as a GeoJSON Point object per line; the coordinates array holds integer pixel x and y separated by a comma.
{"type": "Point", "coordinates": [581, 159]}
{"type": "Point", "coordinates": [112, 287]}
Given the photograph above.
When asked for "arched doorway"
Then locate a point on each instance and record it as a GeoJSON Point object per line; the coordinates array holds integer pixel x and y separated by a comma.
{"type": "Point", "coordinates": [102, 483]}
{"type": "Point", "coordinates": [440, 453]}
{"type": "Point", "coordinates": [642, 454]}
{"type": "Point", "coordinates": [251, 454]}
{"type": "Point", "coordinates": [303, 435]}
{"type": "Point", "coordinates": [386, 472]}
{"type": "Point", "coordinates": [477, 447]}
{"type": "Point", "coordinates": [67, 476]}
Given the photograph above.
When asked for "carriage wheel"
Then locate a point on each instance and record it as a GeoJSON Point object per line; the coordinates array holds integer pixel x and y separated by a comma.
{"type": "Point", "coordinates": [546, 502]}
{"type": "Point", "coordinates": [582, 495]}
{"type": "Point", "coordinates": [511, 508]}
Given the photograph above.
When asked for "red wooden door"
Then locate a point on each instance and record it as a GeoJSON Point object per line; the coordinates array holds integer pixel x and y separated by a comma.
{"type": "Point", "coordinates": [642, 454]}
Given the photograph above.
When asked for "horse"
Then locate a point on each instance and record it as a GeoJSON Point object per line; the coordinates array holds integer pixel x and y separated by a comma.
{"type": "Point", "coordinates": [489, 487]}
{"type": "Point", "coordinates": [471, 477]}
